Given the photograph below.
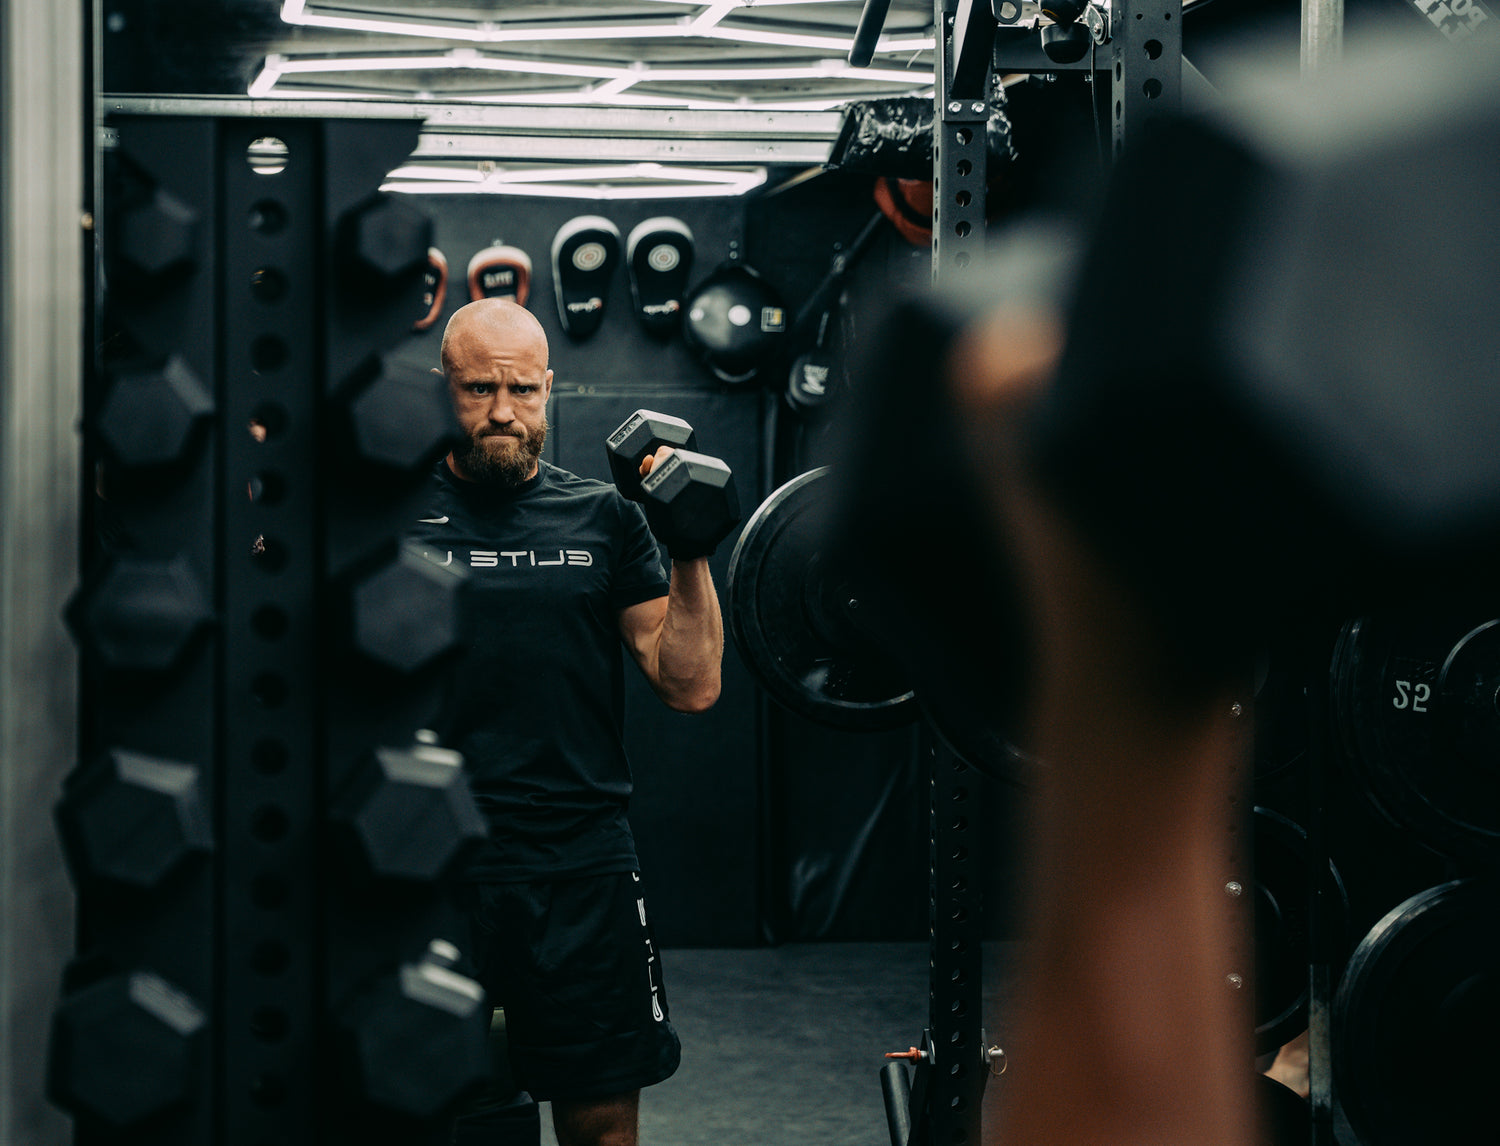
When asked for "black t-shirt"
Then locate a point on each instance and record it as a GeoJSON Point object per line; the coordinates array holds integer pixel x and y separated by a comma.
{"type": "Point", "coordinates": [537, 704]}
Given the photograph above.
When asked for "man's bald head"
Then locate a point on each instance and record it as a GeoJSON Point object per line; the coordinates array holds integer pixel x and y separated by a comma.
{"type": "Point", "coordinates": [495, 322]}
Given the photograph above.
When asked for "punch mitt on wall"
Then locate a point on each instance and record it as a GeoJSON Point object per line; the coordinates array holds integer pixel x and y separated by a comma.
{"type": "Point", "coordinates": [500, 272]}
{"type": "Point", "coordinates": [584, 253]}
{"type": "Point", "coordinates": [659, 257]}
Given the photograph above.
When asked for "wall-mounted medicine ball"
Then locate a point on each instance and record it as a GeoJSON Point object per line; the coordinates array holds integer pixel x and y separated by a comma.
{"type": "Point", "coordinates": [734, 322]}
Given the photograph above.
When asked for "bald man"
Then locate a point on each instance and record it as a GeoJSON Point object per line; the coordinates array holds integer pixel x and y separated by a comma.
{"type": "Point", "coordinates": [562, 572]}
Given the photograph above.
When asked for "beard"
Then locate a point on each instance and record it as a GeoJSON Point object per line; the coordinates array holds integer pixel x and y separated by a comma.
{"type": "Point", "coordinates": [493, 458]}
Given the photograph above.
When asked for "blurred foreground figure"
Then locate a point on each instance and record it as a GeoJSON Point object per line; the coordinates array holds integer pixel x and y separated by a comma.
{"type": "Point", "coordinates": [1274, 402]}
{"type": "Point", "coordinates": [1129, 1031]}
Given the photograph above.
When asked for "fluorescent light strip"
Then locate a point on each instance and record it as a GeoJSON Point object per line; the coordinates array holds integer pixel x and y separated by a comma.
{"type": "Point", "coordinates": [622, 99]}
{"type": "Point", "coordinates": [456, 60]}
{"type": "Point", "coordinates": [828, 43]}
{"type": "Point", "coordinates": [705, 25]}
{"type": "Point", "coordinates": [824, 70]}
{"type": "Point", "coordinates": [657, 182]}
{"type": "Point", "coordinates": [585, 97]}
{"type": "Point", "coordinates": [711, 15]}
{"type": "Point", "coordinates": [544, 191]}
{"type": "Point", "coordinates": [633, 99]}
{"type": "Point", "coordinates": [643, 170]}
{"type": "Point", "coordinates": [445, 174]}
{"type": "Point", "coordinates": [467, 58]}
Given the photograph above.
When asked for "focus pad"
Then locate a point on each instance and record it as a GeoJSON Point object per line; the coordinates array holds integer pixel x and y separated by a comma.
{"type": "Point", "coordinates": [500, 272]}
{"type": "Point", "coordinates": [735, 322]}
{"type": "Point", "coordinates": [434, 289]}
{"type": "Point", "coordinates": [659, 257]}
{"type": "Point", "coordinates": [584, 253]}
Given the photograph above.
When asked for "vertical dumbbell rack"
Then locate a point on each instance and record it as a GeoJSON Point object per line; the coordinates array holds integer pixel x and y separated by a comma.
{"type": "Point", "coordinates": [939, 1102]}
{"type": "Point", "coordinates": [955, 1019]}
{"type": "Point", "coordinates": [254, 948]}
{"type": "Point", "coordinates": [1142, 54]}
{"type": "Point", "coordinates": [942, 1104]}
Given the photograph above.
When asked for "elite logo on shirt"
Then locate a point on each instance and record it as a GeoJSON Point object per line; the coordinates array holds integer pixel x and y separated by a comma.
{"type": "Point", "coordinates": [490, 558]}
{"type": "Point", "coordinates": [519, 558]}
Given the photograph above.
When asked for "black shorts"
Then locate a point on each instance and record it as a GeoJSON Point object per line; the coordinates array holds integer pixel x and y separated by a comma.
{"type": "Point", "coordinates": [574, 964]}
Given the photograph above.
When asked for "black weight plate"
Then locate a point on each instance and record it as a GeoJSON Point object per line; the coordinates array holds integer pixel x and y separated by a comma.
{"type": "Point", "coordinates": [1416, 700]}
{"type": "Point", "coordinates": [976, 734]}
{"type": "Point", "coordinates": [1281, 926]}
{"type": "Point", "coordinates": [1415, 1055]}
{"type": "Point", "coordinates": [795, 619]}
{"type": "Point", "coordinates": [1280, 716]}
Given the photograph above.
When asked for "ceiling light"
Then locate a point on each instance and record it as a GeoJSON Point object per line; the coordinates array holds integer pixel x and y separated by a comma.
{"type": "Point", "coordinates": [822, 70]}
{"type": "Point", "coordinates": [598, 181]}
{"type": "Point", "coordinates": [617, 78]}
{"type": "Point", "coordinates": [706, 24]}
{"type": "Point", "coordinates": [840, 44]}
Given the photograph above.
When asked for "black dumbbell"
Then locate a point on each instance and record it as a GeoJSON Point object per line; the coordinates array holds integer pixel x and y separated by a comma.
{"type": "Point", "coordinates": [690, 503]}
{"type": "Point", "coordinates": [139, 614]}
{"type": "Point", "coordinates": [397, 419]}
{"type": "Point", "coordinates": [403, 611]}
{"type": "Point", "coordinates": [133, 819]}
{"type": "Point", "coordinates": [383, 242]}
{"type": "Point", "coordinates": [154, 415]}
{"type": "Point", "coordinates": [644, 432]}
{"type": "Point", "coordinates": [125, 1049]}
{"type": "Point", "coordinates": [407, 814]}
{"type": "Point", "coordinates": [416, 1040]}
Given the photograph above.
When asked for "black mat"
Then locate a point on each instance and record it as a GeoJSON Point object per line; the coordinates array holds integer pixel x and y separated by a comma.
{"type": "Point", "coordinates": [783, 1046]}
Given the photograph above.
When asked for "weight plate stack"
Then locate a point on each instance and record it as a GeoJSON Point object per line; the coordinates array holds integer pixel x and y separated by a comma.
{"type": "Point", "coordinates": [1281, 736]}
{"type": "Point", "coordinates": [1281, 927]}
{"type": "Point", "coordinates": [1415, 1055]}
{"type": "Point", "coordinates": [1417, 701]}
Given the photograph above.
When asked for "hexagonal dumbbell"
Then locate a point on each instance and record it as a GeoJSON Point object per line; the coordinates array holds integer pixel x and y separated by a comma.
{"type": "Point", "coordinates": [139, 615]}
{"type": "Point", "coordinates": [132, 820]}
{"type": "Point", "coordinates": [418, 1040]}
{"type": "Point", "coordinates": [383, 241]}
{"type": "Point", "coordinates": [399, 419]}
{"type": "Point", "coordinates": [153, 415]}
{"type": "Point", "coordinates": [125, 1049]}
{"type": "Point", "coordinates": [691, 503]}
{"type": "Point", "coordinates": [644, 432]}
{"type": "Point", "coordinates": [407, 813]}
{"type": "Point", "coordinates": [155, 242]}
{"type": "Point", "coordinates": [404, 613]}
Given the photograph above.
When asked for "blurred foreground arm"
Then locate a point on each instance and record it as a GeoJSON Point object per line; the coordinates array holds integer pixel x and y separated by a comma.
{"type": "Point", "coordinates": [1128, 1032]}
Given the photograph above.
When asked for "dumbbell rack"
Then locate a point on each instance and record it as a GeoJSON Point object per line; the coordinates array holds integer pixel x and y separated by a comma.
{"type": "Point", "coordinates": [940, 1103]}
{"type": "Point", "coordinates": [244, 954]}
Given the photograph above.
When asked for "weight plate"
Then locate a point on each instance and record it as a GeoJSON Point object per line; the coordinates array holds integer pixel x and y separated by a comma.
{"type": "Point", "coordinates": [796, 620]}
{"type": "Point", "coordinates": [1415, 1054]}
{"type": "Point", "coordinates": [1416, 700]}
{"type": "Point", "coordinates": [1280, 716]}
{"type": "Point", "coordinates": [976, 733]}
{"type": "Point", "coordinates": [1281, 925]}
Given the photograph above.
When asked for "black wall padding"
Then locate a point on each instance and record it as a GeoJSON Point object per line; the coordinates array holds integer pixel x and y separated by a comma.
{"type": "Point", "coordinates": [848, 833]}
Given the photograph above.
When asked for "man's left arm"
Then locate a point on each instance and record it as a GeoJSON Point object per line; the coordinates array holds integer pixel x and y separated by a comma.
{"type": "Point", "coordinates": [678, 640]}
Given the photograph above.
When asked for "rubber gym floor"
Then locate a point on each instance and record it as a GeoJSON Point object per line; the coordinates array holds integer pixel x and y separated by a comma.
{"type": "Point", "coordinates": [783, 1046]}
